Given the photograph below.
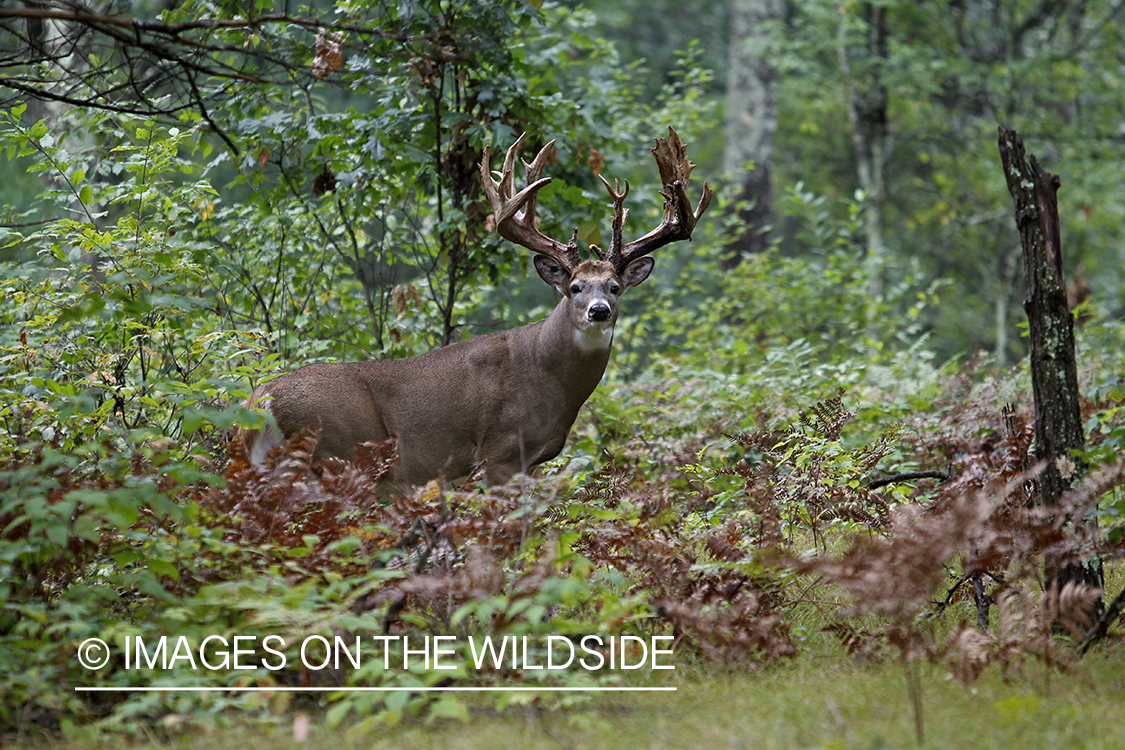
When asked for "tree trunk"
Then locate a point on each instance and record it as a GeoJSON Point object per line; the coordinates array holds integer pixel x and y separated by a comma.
{"type": "Point", "coordinates": [867, 111]}
{"type": "Point", "coordinates": [751, 121]}
{"type": "Point", "coordinates": [1059, 435]}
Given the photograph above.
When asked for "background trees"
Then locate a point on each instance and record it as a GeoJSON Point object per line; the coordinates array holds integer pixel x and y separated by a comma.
{"type": "Point", "coordinates": [751, 121]}
{"type": "Point", "coordinates": [922, 87]}
{"type": "Point", "coordinates": [901, 101]}
{"type": "Point", "coordinates": [897, 100]}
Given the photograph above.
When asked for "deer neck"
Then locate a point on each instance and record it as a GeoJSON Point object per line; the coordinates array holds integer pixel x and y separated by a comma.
{"type": "Point", "coordinates": [577, 358]}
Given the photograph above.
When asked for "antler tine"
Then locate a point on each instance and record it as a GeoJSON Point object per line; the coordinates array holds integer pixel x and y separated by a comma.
{"type": "Point", "coordinates": [519, 226]}
{"type": "Point", "coordinates": [534, 170]}
{"type": "Point", "coordinates": [507, 175]}
{"type": "Point", "coordinates": [679, 218]}
{"type": "Point", "coordinates": [620, 216]}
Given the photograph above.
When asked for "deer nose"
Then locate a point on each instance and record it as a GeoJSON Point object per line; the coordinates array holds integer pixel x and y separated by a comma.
{"type": "Point", "coordinates": [598, 311]}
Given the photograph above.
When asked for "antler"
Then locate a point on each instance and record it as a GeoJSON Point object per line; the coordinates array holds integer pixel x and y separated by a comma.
{"type": "Point", "coordinates": [519, 226]}
{"type": "Point", "coordinates": [679, 220]}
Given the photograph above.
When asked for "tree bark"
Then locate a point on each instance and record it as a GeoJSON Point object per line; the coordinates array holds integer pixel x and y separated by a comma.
{"type": "Point", "coordinates": [751, 121]}
{"type": "Point", "coordinates": [867, 111]}
{"type": "Point", "coordinates": [1059, 437]}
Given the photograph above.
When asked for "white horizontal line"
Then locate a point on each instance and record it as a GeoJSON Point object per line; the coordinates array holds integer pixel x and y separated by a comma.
{"type": "Point", "coordinates": [370, 689]}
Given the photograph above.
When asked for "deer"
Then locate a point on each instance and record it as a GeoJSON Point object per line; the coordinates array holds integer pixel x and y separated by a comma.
{"type": "Point", "coordinates": [499, 403]}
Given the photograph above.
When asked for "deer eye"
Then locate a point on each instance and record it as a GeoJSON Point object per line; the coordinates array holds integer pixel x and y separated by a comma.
{"type": "Point", "coordinates": [614, 289]}
{"type": "Point", "coordinates": [575, 289]}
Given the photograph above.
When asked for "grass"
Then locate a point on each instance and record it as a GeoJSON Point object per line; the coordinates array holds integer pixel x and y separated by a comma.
{"type": "Point", "coordinates": [807, 703]}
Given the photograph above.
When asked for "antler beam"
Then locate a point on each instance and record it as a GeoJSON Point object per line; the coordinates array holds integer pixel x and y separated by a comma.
{"type": "Point", "coordinates": [520, 226]}
{"type": "Point", "coordinates": [679, 218]}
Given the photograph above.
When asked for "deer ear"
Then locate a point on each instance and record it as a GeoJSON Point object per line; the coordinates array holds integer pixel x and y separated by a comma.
{"type": "Point", "coordinates": [552, 272]}
{"type": "Point", "coordinates": [637, 271]}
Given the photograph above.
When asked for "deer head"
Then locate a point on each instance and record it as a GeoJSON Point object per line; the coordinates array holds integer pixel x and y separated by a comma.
{"type": "Point", "coordinates": [622, 266]}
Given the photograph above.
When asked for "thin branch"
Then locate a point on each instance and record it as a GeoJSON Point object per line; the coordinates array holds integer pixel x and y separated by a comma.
{"type": "Point", "coordinates": [93, 103]}
{"type": "Point", "coordinates": [908, 477]}
{"type": "Point", "coordinates": [22, 224]}
{"type": "Point", "coordinates": [206, 115]}
{"type": "Point", "coordinates": [176, 29]}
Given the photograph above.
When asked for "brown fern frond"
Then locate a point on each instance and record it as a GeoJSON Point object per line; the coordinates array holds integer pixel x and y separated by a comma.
{"type": "Point", "coordinates": [857, 641]}
{"type": "Point", "coordinates": [827, 418]}
{"type": "Point", "coordinates": [607, 485]}
{"type": "Point", "coordinates": [723, 544]}
{"type": "Point", "coordinates": [375, 460]}
{"type": "Point", "coordinates": [868, 456]}
{"type": "Point", "coordinates": [972, 652]}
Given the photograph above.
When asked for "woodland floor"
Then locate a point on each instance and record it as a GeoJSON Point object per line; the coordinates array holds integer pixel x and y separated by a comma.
{"type": "Point", "coordinates": [807, 703]}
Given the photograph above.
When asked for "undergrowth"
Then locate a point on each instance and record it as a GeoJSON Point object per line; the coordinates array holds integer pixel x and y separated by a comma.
{"type": "Point", "coordinates": [771, 549]}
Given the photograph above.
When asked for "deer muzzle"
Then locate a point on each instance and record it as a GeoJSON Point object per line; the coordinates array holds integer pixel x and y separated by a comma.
{"type": "Point", "coordinates": [598, 312]}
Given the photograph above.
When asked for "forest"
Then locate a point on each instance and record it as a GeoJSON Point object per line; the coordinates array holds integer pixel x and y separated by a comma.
{"type": "Point", "coordinates": [852, 476]}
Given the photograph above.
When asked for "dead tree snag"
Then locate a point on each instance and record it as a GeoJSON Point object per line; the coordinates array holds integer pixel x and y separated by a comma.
{"type": "Point", "coordinates": [1059, 437]}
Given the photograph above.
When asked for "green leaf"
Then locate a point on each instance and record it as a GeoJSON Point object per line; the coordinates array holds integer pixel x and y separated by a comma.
{"type": "Point", "coordinates": [126, 558]}
{"type": "Point", "coordinates": [58, 534]}
{"type": "Point", "coordinates": [163, 568]}
{"type": "Point", "coordinates": [449, 708]}
{"type": "Point", "coordinates": [337, 713]}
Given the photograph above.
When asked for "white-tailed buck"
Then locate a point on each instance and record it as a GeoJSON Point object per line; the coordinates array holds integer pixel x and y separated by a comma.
{"type": "Point", "coordinates": [502, 402]}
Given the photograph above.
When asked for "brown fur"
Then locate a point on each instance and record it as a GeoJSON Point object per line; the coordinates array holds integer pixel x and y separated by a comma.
{"type": "Point", "coordinates": [503, 402]}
